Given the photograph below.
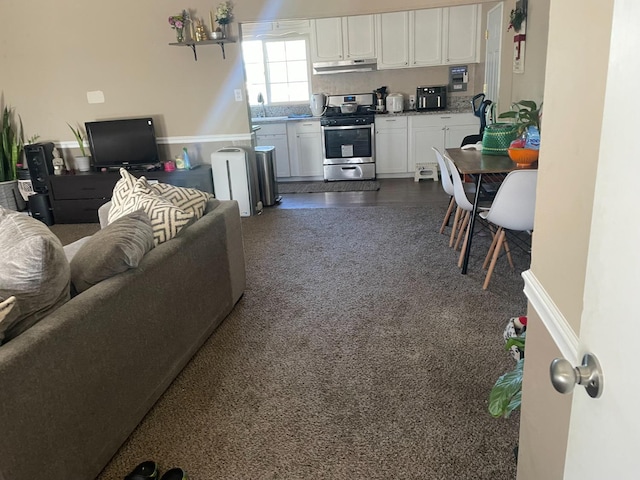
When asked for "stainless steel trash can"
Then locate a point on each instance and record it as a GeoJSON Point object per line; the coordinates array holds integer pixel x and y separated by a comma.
{"type": "Point", "coordinates": [265, 160]}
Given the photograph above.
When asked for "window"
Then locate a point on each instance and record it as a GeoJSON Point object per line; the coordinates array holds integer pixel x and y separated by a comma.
{"type": "Point", "coordinates": [278, 69]}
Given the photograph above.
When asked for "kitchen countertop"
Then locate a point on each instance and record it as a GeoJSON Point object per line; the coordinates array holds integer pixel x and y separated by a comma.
{"type": "Point", "coordinates": [259, 120]}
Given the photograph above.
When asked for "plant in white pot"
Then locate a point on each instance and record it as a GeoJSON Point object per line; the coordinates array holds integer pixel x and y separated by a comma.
{"type": "Point", "coordinates": [82, 162]}
{"type": "Point", "coordinates": [11, 144]}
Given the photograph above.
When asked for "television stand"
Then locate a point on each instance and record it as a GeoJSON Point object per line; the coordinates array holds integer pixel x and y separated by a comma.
{"type": "Point", "coordinates": [76, 198]}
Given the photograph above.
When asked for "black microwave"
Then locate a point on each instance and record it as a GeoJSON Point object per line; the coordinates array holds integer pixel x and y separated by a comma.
{"type": "Point", "coordinates": [431, 98]}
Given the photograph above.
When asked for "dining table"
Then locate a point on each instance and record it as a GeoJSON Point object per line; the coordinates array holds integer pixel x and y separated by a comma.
{"type": "Point", "coordinates": [474, 163]}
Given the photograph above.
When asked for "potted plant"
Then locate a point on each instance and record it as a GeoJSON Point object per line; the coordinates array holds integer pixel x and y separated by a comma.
{"type": "Point", "coordinates": [524, 113]}
{"type": "Point", "coordinates": [83, 162]}
{"type": "Point", "coordinates": [11, 145]}
{"type": "Point", "coordinates": [506, 394]}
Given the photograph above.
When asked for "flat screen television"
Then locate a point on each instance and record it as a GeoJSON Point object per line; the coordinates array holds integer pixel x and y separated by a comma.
{"type": "Point", "coordinates": [127, 143]}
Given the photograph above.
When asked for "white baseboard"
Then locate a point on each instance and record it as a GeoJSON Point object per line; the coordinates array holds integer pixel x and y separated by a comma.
{"type": "Point", "coordinates": [228, 138]}
{"type": "Point", "coordinates": [552, 318]}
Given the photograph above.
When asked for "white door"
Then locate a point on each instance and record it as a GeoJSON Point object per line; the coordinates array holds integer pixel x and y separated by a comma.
{"type": "Point", "coordinates": [494, 42]}
{"type": "Point", "coordinates": [604, 433]}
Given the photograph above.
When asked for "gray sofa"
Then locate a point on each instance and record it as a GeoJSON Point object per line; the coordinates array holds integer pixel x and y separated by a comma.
{"type": "Point", "coordinates": [75, 385]}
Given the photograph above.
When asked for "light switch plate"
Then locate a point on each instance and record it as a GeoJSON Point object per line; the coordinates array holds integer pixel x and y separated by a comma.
{"type": "Point", "coordinates": [238, 93]}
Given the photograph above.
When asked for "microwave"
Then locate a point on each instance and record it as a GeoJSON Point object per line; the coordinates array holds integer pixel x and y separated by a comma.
{"type": "Point", "coordinates": [431, 98]}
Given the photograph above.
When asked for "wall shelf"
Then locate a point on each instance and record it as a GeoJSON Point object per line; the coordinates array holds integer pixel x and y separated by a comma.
{"type": "Point", "coordinates": [193, 44]}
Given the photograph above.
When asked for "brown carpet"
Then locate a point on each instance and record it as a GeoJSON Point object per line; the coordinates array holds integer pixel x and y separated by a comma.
{"type": "Point", "coordinates": [357, 352]}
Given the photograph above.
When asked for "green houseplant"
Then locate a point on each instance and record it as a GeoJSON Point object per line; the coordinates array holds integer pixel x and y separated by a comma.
{"type": "Point", "coordinates": [82, 162]}
{"type": "Point", "coordinates": [524, 113]}
{"type": "Point", "coordinates": [506, 394]}
{"type": "Point", "coordinates": [11, 145]}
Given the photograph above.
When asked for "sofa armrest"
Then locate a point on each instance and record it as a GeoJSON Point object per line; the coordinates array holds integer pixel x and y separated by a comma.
{"type": "Point", "coordinates": [103, 214]}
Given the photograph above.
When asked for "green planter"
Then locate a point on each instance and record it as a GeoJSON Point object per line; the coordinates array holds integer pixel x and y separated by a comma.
{"type": "Point", "coordinates": [497, 137]}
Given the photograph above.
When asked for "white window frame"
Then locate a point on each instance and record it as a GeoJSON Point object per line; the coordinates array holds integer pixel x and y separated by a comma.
{"type": "Point", "coordinates": [267, 94]}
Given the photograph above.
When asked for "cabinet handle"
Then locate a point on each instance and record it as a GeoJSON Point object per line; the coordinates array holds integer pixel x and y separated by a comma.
{"type": "Point", "coordinates": [307, 124]}
{"type": "Point", "coordinates": [445, 117]}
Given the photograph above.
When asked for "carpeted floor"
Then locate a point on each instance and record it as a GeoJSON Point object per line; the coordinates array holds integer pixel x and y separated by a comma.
{"type": "Point", "coordinates": [317, 187]}
{"type": "Point", "coordinates": [357, 352]}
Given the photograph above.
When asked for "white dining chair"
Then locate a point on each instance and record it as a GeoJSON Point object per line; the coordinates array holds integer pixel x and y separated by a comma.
{"type": "Point", "coordinates": [447, 186]}
{"type": "Point", "coordinates": [512, 209]}
{"type": "Point", "coordinates": [465, 205]}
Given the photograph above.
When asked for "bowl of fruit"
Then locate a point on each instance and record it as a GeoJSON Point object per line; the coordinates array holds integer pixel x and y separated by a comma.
{"type": "Point", "coordinates": [522, 156]}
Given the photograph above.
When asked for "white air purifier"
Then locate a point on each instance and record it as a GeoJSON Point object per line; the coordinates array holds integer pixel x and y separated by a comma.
{"type": "Point", "coordinates": [235, 177]}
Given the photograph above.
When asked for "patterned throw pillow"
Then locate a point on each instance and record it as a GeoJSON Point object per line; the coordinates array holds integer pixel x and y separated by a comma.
{"type": "Point", "coordinates": [121, 194]}
{"type": "Point", "coordinates": [188, 199]}
{"type": "Point", "coordinates": [167, 220]}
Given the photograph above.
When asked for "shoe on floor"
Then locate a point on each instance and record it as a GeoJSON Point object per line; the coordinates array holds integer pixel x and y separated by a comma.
{"type": "Point", "coordinates": [174, 474]}
{"type": "Point", "coordinates": [145, 471]}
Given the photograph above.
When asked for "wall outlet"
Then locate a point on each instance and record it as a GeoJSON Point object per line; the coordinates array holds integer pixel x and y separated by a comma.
{"type": "Point", "coordinates": [238, 94]}
{"type": "Point", "coordinates": [96, 96]}
{"type": "Point", "coordinates": [412, 102]}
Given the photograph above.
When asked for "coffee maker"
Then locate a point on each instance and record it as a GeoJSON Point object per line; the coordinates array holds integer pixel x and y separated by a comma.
{"type": "Point", "coordinates": [381, 97]}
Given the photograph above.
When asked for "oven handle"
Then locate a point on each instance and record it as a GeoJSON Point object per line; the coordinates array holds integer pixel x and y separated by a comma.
{"type": "Point", "coordinates": [349, 127]}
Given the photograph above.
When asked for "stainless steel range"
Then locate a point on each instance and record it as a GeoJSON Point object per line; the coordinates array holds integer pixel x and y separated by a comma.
{"type": "Point", "coordinates": [348, 137]}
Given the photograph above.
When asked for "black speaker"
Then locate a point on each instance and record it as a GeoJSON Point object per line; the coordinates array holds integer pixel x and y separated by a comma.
{"type": "Point", "coordinates": [40, 163]}
{"type": "Point", "coordinates": [40, 208]}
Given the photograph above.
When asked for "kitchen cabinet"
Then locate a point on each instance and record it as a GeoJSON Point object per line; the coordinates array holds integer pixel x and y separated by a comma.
{"type": "Point", "coordinates": [391, 144]}
{"type": "Point", "coordinates": [261, 30]}
{"type": "Point", "coordinates": [428, 37]}
{"type": "Point", "coordinates": [305, 148]}
{"type": "Point", "coordinates": [343, 38]}
{"type": "Point", "coordinates": [425, 36]}
{"type": "Point", "coordinates": [275, 134]}
{"type": "Point", "coordinates": [440, 131]}
{"type": "Point", "coordinates": [392, 40]}
{"type": "Point", "coordinates": [461, 34]}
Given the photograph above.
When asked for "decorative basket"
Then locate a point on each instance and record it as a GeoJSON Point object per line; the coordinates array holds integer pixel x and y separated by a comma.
{"type": "Point", "coordinates": [497, 137]}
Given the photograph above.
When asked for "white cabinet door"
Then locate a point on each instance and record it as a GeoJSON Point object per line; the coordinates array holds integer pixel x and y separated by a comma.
{"type": "Point", "coordinates": [309, 149]}
{"type": "Point", "coordinates": [391, 145]}
{"type": "Point", "coordinates": [425, 35]}
{"type": "Point", "coordinates": [326, 40]}
{"type": "Point", "coordinates": [461, 31]}
{"type": "Point", "coordinates": [421, 140]}
{"type": "Point", "coordinates": [392, 40]}
{"type": "Point", "coordinates": [281, 153]}
{"type": "Point", "coordinates": [305, 148]}
{"type": "Point", "coordinates": [455, 133]}
{"type": "Point", "coordinates": [358, 35]}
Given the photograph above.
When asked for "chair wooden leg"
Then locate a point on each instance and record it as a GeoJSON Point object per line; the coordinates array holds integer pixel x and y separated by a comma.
{"type": "Point", "coordinates": [454, 228]}
{"type": "Point", "coordinates": [496, 252]}
{"type": "Point", "coordinates": [464, 245]}
{"type": "Point", "coordinates": [447, 216]}
{"type": "Point", "coordinates": [508, 250]}
{"type": "Point", "coordinates": [487, 259]}
{"type": "Point", "coordinates": [463, 226]}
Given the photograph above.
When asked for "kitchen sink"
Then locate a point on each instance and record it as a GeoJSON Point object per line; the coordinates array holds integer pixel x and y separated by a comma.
{"type": "Point", "coordinates": [268, 119]}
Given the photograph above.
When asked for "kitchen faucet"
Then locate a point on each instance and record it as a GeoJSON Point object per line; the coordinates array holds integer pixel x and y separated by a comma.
{"type": "Point", "coordinates": [261, 102]}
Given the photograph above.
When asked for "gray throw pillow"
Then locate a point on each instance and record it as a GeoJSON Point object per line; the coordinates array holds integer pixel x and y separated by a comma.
{"type": "Point", "coordinates": [33, 268]}
{"type": "Point", "coordinates": [114, 249]}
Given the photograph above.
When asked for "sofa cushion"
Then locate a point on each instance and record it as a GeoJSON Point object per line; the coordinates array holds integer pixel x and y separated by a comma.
{"type": "Point", "coordinates": [188, 199]}
{"type": "Point", "coordinates": [33, 268]}
{"type": "Point", "coordinates": [121, 193]}
{"type": "Point", "coordinates": [110, 251]}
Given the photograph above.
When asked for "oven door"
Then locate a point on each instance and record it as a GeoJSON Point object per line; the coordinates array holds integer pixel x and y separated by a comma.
{"type": "Point", "coordinates": [348, 144]}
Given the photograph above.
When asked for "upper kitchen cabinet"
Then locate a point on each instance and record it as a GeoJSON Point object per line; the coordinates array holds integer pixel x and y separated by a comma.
{"type": "Point", "coordinates": [393, 40]}
{"type": "Point", "coordinates": [343, 38]}
{"type": "Point", "coordinates": [278, 28]}
{"type": "Point", "coordinates": [461, 33]}
{"type": "Point", "coordinates": [435, 36]}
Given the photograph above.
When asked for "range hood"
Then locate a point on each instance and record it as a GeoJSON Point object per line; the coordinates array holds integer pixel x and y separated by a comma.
{"type": "Point", "coordinates": [344, 66]}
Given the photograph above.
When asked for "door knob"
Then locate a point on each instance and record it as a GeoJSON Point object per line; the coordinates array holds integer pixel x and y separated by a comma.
{"type": "Point", "coordinates": [565, 377]}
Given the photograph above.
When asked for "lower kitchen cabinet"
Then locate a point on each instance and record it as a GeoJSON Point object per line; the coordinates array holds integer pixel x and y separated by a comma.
{"type": "Point", "coordinates": [440, 131]}
{"type": "Point", "coordinates": [275, 135]}
{"type": "Point", "coordinates": [391, 144]}
{"type": "Point", "coordinates": [305, 148]}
